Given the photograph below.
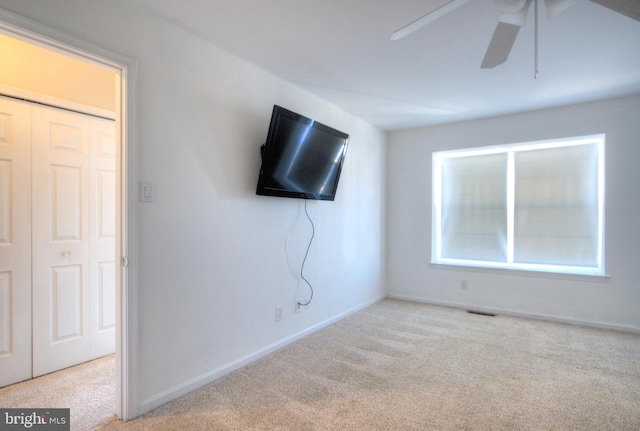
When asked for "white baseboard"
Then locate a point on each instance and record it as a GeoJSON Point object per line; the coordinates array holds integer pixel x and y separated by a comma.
{"type": "Point", "coordinates": [505, 312]}
{"type": "Point", "coordinates": [208, 377]}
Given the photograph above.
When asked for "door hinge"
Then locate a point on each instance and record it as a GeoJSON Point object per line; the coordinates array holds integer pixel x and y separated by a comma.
{"type": "Point", "coordinates": [125, 262]}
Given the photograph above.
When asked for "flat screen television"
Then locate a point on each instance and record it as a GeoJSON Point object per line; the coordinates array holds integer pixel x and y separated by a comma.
{"type": "Point", "coordinates": [301, 158]}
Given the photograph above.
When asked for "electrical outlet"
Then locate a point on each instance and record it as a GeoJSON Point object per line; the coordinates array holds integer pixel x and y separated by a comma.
{"type": "Point", "coordinates": [465, 284]}
{"type": "Point", "coordinates": [279, 312]}
{"type": "Point", "coordinates": [298, 305]}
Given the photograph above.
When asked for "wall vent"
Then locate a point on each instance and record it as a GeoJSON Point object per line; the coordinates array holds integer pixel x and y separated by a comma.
{"type": "Point", "coordinates": [482, 313]}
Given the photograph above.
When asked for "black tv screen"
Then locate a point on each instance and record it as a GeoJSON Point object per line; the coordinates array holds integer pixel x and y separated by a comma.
{"type": "Point", "coordinates": [301, 158]}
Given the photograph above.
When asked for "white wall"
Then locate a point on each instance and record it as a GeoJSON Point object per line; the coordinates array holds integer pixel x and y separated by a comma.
{"type": "Point", "coordinates": [610, 302]}
{"type": "Point", "coordinates": [214, 259]}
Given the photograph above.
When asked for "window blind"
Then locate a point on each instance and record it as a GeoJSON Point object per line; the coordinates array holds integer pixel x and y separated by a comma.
{"type": "Point", "coordinates": [556, 206]}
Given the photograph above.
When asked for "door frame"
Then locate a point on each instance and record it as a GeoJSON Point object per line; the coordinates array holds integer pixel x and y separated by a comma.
{"type": "Point", "coordinates": [22, 28]}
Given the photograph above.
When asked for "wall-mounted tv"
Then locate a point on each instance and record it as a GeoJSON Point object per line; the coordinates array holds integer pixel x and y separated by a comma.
{"type": "Point", "coordinates": [301, 158]}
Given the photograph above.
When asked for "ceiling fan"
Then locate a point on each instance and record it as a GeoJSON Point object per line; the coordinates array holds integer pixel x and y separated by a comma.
{"type": "Point", "coordinates": [512, 18]}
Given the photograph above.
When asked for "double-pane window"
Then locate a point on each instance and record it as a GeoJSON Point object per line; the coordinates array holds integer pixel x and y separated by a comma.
{"type": "Point", "coordinates": [535, 206]}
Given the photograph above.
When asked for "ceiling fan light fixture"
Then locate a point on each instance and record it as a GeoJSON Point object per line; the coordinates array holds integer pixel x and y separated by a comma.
{"type": "Point", "coordinates": [511, 6]}
{"type": "Point", "coordinates": [514, 12]}
{"type": "Point", "coordinates": [555, 7]}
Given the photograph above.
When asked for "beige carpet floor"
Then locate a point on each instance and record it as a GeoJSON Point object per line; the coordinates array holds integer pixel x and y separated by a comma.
{"type": "Point", "coordinates": [393, 366]}
{"type": "Point", "coordinates": [405, 366]}
{"type": "Point", "coordinates": [88, 390]}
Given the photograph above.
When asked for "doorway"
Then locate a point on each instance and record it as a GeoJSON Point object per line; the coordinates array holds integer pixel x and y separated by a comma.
{"type": "Point", "coordinates": [38, 36]}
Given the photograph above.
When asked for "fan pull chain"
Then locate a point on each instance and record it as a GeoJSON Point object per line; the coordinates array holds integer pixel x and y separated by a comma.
{"type": "Point", "coordinates": [535, 72]}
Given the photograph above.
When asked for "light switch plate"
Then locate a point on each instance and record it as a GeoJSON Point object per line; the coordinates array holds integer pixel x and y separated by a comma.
{"type": "Point", "coordinates": [147, 192]}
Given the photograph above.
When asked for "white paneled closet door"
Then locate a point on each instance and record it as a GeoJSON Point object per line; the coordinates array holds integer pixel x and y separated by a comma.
{"type": "Point", "coordinates": [102, 236]}
{"type": "Point", "coordinates": [61, 279]}
{"type": "Point", "coordinates": [15, 241]}
{"type": "Point", "coordinates": [57, 239]}
{"type": "Point", "coordinates": [73, 239]}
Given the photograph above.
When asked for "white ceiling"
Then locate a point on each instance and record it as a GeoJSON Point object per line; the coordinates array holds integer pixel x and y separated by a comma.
{"type": "Point", "coordinates": [340, 50]}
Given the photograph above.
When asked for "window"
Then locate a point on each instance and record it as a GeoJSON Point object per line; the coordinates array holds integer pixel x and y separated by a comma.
{"type": "Point", "coordinates": [535, 206]}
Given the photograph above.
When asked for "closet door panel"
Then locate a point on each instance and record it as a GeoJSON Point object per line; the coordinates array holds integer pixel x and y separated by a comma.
{"type": "Point", "coordinates": [103, 234]}
{"type": "Point", "coordinates": [61, 240]}
{"type": "Point", "coordinates": [15, 241]}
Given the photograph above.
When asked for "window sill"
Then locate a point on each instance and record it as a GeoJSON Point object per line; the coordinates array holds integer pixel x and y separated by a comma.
{"type": "Point", "coordinates": [597, 278]}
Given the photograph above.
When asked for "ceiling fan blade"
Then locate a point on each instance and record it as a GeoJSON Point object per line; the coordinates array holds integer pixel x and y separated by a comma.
{"type": "Point", "coordinates": [500, 46]}
{"type": "Point", "coordinates": [630, 8]}
{"type": "Point", "coordinates": [430, 17]}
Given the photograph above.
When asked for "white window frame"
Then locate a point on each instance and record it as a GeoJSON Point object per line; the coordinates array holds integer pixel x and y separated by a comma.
{"type": "Point", "coordinates": [510, 150]}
